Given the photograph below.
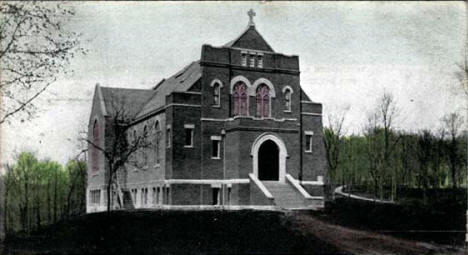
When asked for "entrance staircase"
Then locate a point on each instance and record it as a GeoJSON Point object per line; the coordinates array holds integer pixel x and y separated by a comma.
{"type": "Point", "coordinates": [288, 194]}
{"type": "Point", "coordinates": [285, 196]}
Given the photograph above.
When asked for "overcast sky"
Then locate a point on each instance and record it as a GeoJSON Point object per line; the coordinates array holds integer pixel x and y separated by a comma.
{"type": "Point", "coordinates": [349, 53]}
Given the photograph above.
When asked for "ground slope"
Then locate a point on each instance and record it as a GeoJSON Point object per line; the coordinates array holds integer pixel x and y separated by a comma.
{"type": "Point", "coordinates": [210, 232]}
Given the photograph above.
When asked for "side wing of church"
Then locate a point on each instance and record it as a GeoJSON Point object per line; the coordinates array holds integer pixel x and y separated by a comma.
{"type": "Point", "coordinates": [231, 129]}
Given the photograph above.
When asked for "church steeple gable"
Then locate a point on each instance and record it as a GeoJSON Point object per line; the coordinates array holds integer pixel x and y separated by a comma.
{"type": "Point", "coordinates": [250, 38]}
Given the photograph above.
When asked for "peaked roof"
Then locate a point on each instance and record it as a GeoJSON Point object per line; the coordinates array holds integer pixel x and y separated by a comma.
{"type": "Point", "coordinates": [250, 39]}
{"type": "Point", "coordinates": [130, 99]}
{"type": "Point", "coordinates": [179, 82]}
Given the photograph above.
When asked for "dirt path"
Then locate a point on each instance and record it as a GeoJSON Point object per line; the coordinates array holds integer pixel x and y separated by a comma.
{"type": "Point", "coordinates": [363, 242]}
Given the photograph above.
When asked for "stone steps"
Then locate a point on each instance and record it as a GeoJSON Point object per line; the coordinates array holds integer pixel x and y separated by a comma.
{"type": "Point", "coordinates": [285, 195]}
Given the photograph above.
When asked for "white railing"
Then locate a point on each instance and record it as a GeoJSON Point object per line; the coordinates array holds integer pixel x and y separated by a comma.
{"type": "Point", "coordinates": [298, 187]}
{"type": "Point", "coordinates": [260, 186]}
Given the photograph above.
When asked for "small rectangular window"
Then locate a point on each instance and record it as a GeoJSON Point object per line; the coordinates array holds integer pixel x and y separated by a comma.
{"type": "Point", "coordinates": [189, 135]}
{"type": "Point", "coordinates": [95, 196]}
{"type": "Point", "coordinates": [252, 60]}
{"type": "Point", "coordinates": [244, 59]}
{"type": "Point", "coordinates": [308, 143]}
{"type": "Point", "coordinates": [215, 149]}
{"type": "Point", "coordinates": [260, 61]}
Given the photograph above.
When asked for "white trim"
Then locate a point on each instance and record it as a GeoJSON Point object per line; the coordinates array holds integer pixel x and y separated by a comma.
{"type": "Point", "coordinates": [283, 154]}
{"type": "Point", "coordinates": [189, 126]}
{"type": "Point", "coordinates": [188, 105]}
{"type": "Point", "coordinates": [287, 87]}
{"type": "Point", "coordinates": [262, 51]}
{"type": "Point", "coordinates": [188, 92]}
{"type": "Point", "coordinates": [101, 100]}
{"type": "Point", "coordinates": [216, 137]}
{"type": "Point", "coordinates": [248, 117]}
{"type": "Point", "coordinates": [242, 79]}
{"type": "Point", "coordinates": [213, 82]}
{"type": "Point", "coordinates": [298, 187]}
{"type": "Point", "coordinates": [206, 181]}
{"type": "Point", "coordinates": [260, 185]}
{"type": "Point", "coordinates": [308, 132]}
{"type": "Point", "coordinates": [318, 183]}
{"type": "Point", "coordinates": [216, 185]}
{"type": "Point", "coordinates": [311, 113]}
{"type": "Point", "coordinates": [307, 102]}
{"type": "Point", "coordinates": [253, 90]}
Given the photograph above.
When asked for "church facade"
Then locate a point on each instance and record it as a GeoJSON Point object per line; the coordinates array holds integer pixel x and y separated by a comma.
{"type": "Point", "coordinates": [232, 129]}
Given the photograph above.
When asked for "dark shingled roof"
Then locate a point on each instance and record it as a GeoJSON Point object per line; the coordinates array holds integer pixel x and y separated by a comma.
{"type": "Point", "coordinates": [250, 39]}
{"type": "Point", "coordinates": [179, 82]}
{"type": "Point", "coordinates": [132, 99]}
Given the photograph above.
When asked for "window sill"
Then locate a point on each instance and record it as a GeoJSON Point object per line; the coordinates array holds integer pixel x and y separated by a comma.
{"type": "Point", "coordinates": [215, 157]}
{"type": "Point", "coordinates": [145, 167]}
{"type": "Point", "coordinates": [287, 111]}
{"type": "Point", "coordinates": [216, 106]}
{"type": "Point", "coordinates": [308, 151]}
{"type": "Point", "coordinates": [157, 165]}
{"type": "Point", "coordinates": [188, 146]}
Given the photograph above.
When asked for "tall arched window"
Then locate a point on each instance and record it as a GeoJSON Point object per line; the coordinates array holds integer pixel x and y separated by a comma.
{"type": "Point", "coordinates": [287, 100]}
{"type": "Point", "coordinates": [216, 94]}
{"type": "Point", "coordinates": [157, 131]}
{"type": "Point", "coordinates": [263, 101]}
{"type": "Point", "coordinates": [144, 151]}
{"type": "Point", "coordinates": [240, 98]}
{"type": "Point", "coordinates": [97, 142]}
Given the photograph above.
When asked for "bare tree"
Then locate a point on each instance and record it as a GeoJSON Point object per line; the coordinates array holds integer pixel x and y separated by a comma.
{"type": "Point", "coordinates": [381, 140]}
{"type": "Point", "coordinates": [333, 137]}
{"type": "Point", "coordinates": [35, 48]}
{"type": "Point", "coordinates": [453, 123]}
{"type": "Point", "coordinates": [120, 146]}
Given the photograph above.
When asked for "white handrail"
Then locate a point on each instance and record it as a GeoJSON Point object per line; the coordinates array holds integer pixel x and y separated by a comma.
{"type": "Point", "coordinates": [261, 186]}
{"type": "Point", "coordinates": [298, 187]}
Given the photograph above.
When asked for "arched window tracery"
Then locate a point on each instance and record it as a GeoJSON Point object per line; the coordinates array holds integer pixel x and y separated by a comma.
{"type": "Point", "coordinates": [263, 101]}
{"type": "Point", "coordinates": [240, 98]}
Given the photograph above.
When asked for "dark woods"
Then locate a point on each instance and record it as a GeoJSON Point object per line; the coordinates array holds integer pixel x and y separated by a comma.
{"type": "Point", "coordinates": [382, 160]}
{"type": "Point", "coordinates": [39, 192]}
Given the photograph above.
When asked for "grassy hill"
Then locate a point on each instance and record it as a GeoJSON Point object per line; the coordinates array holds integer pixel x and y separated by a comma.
{"type": "Point", "coordinates": [171, 232]}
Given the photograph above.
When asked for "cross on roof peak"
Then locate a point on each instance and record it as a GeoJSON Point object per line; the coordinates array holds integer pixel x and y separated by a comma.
{"type": "Point", "coordinates": [251, 14]}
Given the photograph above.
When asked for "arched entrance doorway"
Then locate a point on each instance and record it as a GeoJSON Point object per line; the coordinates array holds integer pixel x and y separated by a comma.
{"type": "Point", "coordinates": [268, 161]}
{"type": "Point", "coordinates": [269, 157]}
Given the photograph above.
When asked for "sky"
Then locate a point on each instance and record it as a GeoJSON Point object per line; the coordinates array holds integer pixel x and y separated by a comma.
{"type": "Point", "coordinates": [349, 53]}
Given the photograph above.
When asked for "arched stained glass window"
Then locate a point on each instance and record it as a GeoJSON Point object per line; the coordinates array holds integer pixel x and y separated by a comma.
{"type": "Point", "coordinates": [263, 101]}
{"type": "Point", "coordinates": [96, 142]}
{"type": "Point", "coordinates": [157, 131]}
{"type": "Point", "coordinates": [240, 98]}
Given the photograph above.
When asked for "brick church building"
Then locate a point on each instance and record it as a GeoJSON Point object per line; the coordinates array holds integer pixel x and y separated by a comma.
{"type": "Point", "coordinates": [233, 129]}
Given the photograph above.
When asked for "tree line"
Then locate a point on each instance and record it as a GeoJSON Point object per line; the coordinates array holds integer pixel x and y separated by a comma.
{"type": "Point", "coordinates": [39, 192]}
{"type": "Point", "coordinates": [381, 159]}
